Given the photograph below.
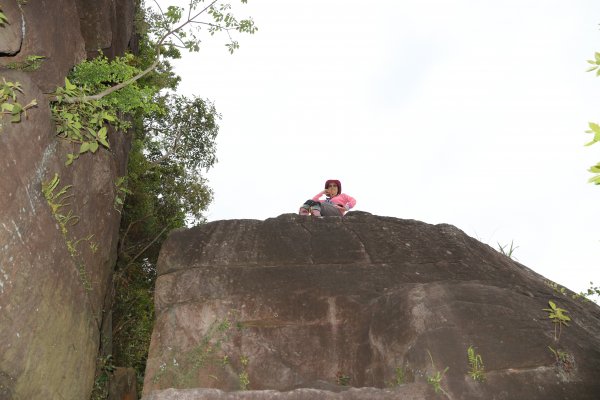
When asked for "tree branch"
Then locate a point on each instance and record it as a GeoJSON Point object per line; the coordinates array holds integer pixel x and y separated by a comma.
{"type": "Point", "coordinates": [121, 85]}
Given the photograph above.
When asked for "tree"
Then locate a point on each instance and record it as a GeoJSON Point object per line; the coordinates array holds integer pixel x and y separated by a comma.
{"type": "Point", "coordinates": [173, 146]}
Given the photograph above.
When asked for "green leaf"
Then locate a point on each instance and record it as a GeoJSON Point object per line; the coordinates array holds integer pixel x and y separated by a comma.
{"type": "Point", "coordinates": [69, 85]}
{"type": "Point", "coordinates": [595, 129]}
{"type": "Point", "coordinates": [102, 137]}
{"type": "Point", "coordinates": [70, 159]}
{"type": "Point", "coordinates": [3, 19]}
{"type": "Point", "coordinates": [595, 180]}
{"type": "Point", "coordinates": [93, 146]}
{"type": "Point", "coordinates": [85, 147]}
{"type": "Point", "coordinates": [17, 109]}
{"type": "Point", "coordinates": [595, 169]}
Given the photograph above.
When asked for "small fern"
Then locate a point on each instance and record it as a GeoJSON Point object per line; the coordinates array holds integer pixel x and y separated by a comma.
{"type": "Point", "coordinates": [476, 364]}
{"type": "Point", "coordinates": [55, 200]}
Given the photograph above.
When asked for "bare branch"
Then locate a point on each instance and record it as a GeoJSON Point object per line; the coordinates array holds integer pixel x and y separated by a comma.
{"type": "Point", "coordinates": [224, 28]}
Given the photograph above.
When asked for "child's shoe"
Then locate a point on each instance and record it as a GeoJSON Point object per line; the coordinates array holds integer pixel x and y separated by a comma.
{"type": "Point", "coordinates": [316, 213]}
{"type": "Point", "coordinates": [303, 211]}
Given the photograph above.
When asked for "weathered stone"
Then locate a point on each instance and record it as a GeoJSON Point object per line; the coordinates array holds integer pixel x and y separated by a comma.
{"type": "Point", "coordinates": [122, 384]}
{"type": "Point", "coordinates": [106, 25]}
{"type": "Point", "coordinates": [64, 32]}
{"type": "Point", "coordinates": [54, 286]}
{"type": "Point", "coordinates": [404, 392]}
{"type": "Point", "coordinates": [52, 30]}
{"type": "Point", "coordinates": [12, 32]}
{"type": "Point", "coordinates": [52, 299]}
{"type": "Point", "coordinates": [356, 299]}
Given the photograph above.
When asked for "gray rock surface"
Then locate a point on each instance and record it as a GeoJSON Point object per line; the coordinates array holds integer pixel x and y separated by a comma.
{"type": "Point", "coordinates": [363, 301]}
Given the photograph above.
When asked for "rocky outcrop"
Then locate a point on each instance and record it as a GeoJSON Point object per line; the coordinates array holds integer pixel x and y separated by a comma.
{"type": "Point", "coordinates": [12, 31]}
{"type": "Point", "coordinates": [64, 33]}
{"type": "Point", "coordinates": [55, 265]}
{"type": "Point", "coordinates": [106, 25]}
{"type": "Point", "coordinates": [326, 304]}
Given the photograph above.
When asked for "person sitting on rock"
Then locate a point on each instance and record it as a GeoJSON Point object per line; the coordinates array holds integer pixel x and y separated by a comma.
{"type": "Point", "coordinates": [336, 203]}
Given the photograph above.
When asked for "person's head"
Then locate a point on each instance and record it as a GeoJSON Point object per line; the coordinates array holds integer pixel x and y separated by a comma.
{"type": "Point", "coordinates": [334, 187]}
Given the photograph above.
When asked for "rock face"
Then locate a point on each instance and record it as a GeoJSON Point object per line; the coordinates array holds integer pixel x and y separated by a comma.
{"type": "Point", "coordinates": [55, 278]}
{"type": "Point", "coordinates": [12, 32]}
{"type": "Point", "coordinates": [360, 301]}
{"type": "Point", "coordinates": [64, 32]}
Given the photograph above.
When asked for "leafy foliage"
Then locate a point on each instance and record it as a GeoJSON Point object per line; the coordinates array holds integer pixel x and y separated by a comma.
{"type": "Point", "coordinates": [435, 380]}
{"type": "Point", "coordinates": [3, 19]}
{"type": "Point", "coordinates": [476, 364]}
{"type": "Point", "coordinates": [399, 377]}
{"type": "Point", "coordinates": [84, 122]}
{"type": "Point", "coordinates": [8, 101]}
{"type": "Point", "coordinates": [176, 30]}
{"type": "Point", "coordinates": [591, 292]}
{"type": "Point", "coordinates": [101, 73]}
{"type": "Point", "coordinates": [559, 318]}
{"type": "Point", "coordinates": [57, 201]}
{"type": "Point", "coordinates": [342, 379]}
{"type": "Point", "coordinates": [121, 192]}
{"type": "Point", "coordinates": [104, 368]}
{"type": "Point", "coordinates": [173, 144]}
{"type": "Point", "coordinates": [243, 377]}
{"type": "Point", "coordinates": [564, 362]}
{"type": "Point", "coordinates": [31, 63]}
{"type": "Point", "coordinates": [594, 127]}
{"type": "Point", "coordinates": [184, 133]}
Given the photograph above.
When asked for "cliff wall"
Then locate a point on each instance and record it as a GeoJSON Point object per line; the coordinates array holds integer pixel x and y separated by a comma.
{"type": "Point", "coordinates": [55, 281]}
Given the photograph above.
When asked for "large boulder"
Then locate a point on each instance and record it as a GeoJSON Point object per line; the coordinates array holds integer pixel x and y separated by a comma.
{"type": "Point", "coordinates": [362, 301]}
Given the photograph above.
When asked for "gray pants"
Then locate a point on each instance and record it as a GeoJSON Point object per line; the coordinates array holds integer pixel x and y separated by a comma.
{"type": "Point", "coordinates": [330, 210]}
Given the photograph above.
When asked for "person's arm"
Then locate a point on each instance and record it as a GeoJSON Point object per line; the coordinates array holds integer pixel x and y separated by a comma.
{"type": "Point", "coordinates": [318, 195]}
{"type": "Point", "coordinates": [349, 202]}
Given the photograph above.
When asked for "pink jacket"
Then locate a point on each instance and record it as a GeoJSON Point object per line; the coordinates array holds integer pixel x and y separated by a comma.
{"type": "Point", "coordinates": [342, 199]}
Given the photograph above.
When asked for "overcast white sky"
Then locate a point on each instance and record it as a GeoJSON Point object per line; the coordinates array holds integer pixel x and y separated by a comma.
{"type": "Point", "coordinates": [470, 113]}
